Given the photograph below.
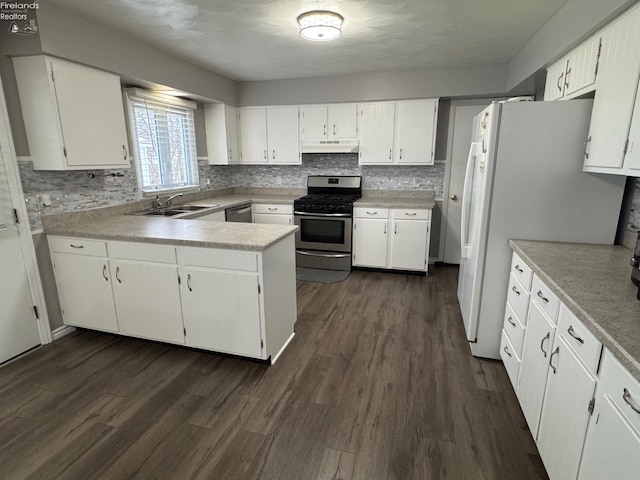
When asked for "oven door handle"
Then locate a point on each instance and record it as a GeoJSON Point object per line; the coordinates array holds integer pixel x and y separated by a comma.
{"type": "Point", "coordinates": [325, 255]}
{"type": "Point", "coordinates": [307, 214]}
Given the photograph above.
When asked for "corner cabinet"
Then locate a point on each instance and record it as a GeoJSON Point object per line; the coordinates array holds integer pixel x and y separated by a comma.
{"type": "Point", "coordinates": [269, 135]}
{"type": "Point", "coordinates": [74, 115]}
{"type": "Point", "coordinates": [395, 239]}
{"type": "Point", "coordinates": [398, 133]}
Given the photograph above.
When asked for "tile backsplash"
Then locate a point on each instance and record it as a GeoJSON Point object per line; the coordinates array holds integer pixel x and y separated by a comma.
{"type": "Point", "coordinates": [76, 190]}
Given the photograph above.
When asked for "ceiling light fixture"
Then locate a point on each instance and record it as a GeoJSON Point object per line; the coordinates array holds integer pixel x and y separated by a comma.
{"type": "Point", "coordinates": [320, 25]}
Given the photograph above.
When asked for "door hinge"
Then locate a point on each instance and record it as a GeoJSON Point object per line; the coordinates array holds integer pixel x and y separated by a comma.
{"type": "Point", "coordinates": [259, 289]}
{"type": "Point", "coordinates": [16, 219]}
{"type": "Point", "coordinates": [179, 280]}
{"type": "Point", "coordinates": [35, 310]}
{"type": "Point", "coordinates": [598, 57]}
{"type": "Point", "coordinates": [592, 405]}
{"type": "Point", "coordinates": [184, 330]}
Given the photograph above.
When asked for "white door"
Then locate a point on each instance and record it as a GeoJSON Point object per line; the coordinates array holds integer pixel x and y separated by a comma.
{"type": "Point", "coordinates": [147, 299]}
{"type": "Point", "coordinates": [461, 131]}
{"type": "Point", "coordinates": [415, 132]}
{"type": "Point", "coordinates": [565, 414]}
{"type": "Point", "coordinates": [538, 345]}
{"type": "Point", "coordinates": [314, 122]}
{"type": "Point", "coordinates": [283, 137]}
{"type": "Point", "coordinates": [252, 123]}
{"type": "Point", "coordinates": [18, 327]}
{"type": "Point", "coordinates": [370, 242]}
{"type": "Point", "coordinates": [342, 121]}
{"type": "Point", "coordinates": [409, 244]}
{"type": "Point", "coordinates": [221, 310]}
{"type": "Point", "coordinates": [376, 133]}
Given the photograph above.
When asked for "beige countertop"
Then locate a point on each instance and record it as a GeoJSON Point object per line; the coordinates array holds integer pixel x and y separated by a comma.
{"type": "Point", "coordinates": [398, 200]}
{"type": "Point", "coordinates": [593, 282]}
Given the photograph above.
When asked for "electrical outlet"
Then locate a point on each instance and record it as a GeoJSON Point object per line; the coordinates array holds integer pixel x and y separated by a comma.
{"type": "Point", "coordinates": [208, 181]}
{"type": "Point", "coordinates": [43, 200]}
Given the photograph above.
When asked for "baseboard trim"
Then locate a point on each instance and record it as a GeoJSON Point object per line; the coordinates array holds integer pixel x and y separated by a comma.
{"type": "Point", "coordinates": [62, 331]}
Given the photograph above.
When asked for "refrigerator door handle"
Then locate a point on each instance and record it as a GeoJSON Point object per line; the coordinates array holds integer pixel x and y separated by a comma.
{"type": "Point", "coordinates": [466, 201]}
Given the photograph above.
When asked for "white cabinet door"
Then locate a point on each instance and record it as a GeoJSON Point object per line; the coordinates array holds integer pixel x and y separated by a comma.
{"type": "Point", "coordinates": [409, 244]}
{"type": "Point", "coordinates": [252, 123]}
{"type": "Point", "coordinates": [565, 415]}
{"type": "Point", "coordinates": [582, 66]}
{"type": "Point", "coordinates": [554, 86]}
{"type": "Point", "coordinates": [376, 133]}
{"type": "Point", "coordinates": [274, 219]}
{"type": "Point", "coordinates": [370, 242]}
{"type": "Point", "coordinates": [612, 447]}
{"type": "Point", "coordinates": [615, 93]}
{"type": "Point", "coordinates": [221, 310]}
{"type": "Point", "coordinates": [283, 138]}
{"type": "Point", "coordinates": [147, 299]}
{"type": "Point", "coordinates": [221, 124]}
{"type": "Point", "coordinates": [415, 132]}
{"type": "Point", "coordinates": [314, 122]}
{"type": "Point", "coordinates": [342, 121]}
{"type": "Point", "coordinates": [84, 288]}
{"type": "Point", "coordinates": [538, 345]}
{"type": "Point", "coordinates": [231, 122]}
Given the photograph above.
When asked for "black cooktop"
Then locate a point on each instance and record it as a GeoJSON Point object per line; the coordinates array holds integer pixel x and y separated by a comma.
{"type": "Point", "coordinates": [325, 203]}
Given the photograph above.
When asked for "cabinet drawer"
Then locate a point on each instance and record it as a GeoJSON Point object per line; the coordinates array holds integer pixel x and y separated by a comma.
{"type": "Point", "coordinates": [624, 390]}
{"type": "Point", "coordinates": [273, 208]}
{"type": "Point", "coordinates": [514, 329]}
{"type": "Point", "coordinates": [144, 252]}
{"type": "Point", "coordinates": [510, 359]}
{"type": "Point", "coordinates": [518, 298]}
{"type": "Point", "coordinates": [362, 212]}
{"type": "Point", "coordinates": [542, 295]}
{"type": "Point", "coordinates": [521, 271]}
{"type": "Point", "coordinates": [79, 246]}
{"type": "Point", "coordinates": [411, 214]}
{"type": "Point", "coordinates": [583, 342]}
{"type": "Point", "coordinates": [225, 259]}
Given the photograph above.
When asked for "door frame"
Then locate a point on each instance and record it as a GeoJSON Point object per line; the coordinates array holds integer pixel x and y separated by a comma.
{"type": "Point", "coordinates": [24, 229]}
{"type": "Point", "coordinates": [449, 160]}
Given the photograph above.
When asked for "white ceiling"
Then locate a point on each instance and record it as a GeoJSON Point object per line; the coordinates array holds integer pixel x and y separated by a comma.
{"type": "Point", "coordinates": [258, 39]}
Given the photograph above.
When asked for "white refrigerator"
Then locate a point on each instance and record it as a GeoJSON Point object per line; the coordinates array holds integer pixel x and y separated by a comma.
{"type": "Point", "coordinates": [524, 180]}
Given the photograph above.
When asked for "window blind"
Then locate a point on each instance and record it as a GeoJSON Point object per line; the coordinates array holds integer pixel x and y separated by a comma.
{"type": "Point", "coordinates": [163, 133]}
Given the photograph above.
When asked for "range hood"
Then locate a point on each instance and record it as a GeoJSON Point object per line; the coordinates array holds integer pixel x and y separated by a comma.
{"type": "Point", "coordinates": [330, 146]}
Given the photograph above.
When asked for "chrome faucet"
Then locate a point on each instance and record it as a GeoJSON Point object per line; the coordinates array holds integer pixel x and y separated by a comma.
{"type": "Point", "coordinates": [157, 204]}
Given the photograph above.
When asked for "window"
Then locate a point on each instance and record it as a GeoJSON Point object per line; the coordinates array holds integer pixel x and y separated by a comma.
{"type": "Point", "coordinates": [163, 135]}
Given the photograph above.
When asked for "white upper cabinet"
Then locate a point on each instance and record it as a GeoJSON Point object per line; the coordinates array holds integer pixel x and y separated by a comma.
{"type": "Point", "coordinates": [613, 104]}
{"type": "Point", "coordinates": [575, 73]}
{"type": "Point", "coordinates": [336, 121]}
{"type": "Point", "coordinates": [221, 124]}
{"type": "Point", "coordinates": [269, 135]}
{"type": "Point", "coordinates": [74, 115]}
{"type": "Point", "coordinates": [398, 133]}
{"type": "Point", "coordinates": [415, 132]}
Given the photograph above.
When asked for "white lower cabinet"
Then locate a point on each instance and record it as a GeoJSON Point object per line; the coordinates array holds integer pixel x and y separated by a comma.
{"type": "Point", "coordinates": [409, 244]}
{"type": "Point", "coordinates": [370, 238]}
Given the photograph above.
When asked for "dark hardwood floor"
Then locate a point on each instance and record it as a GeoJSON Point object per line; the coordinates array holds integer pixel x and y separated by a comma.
{"type": "Point", "coordinates": [377, 384]}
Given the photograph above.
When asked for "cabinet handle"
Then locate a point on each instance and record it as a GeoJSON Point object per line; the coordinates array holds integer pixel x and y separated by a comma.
{"type": "Point", "coordinates": [510, 320]}
{"type": "Point", "coordinates": [274, 154]}
{"type": "Point", "coordinates": [517, 268]}
{"type": "Point", "coordinates": [230, 154]}
{"type": "Point", "coordinates": [555, 352]}
{"type": "Point", "coordinates": [385, 228]}
{"type": "Point", "coordinates": [189, 282]}
{"type": "Point", "coordinates": [124, 150]}
{"type": "Point", "coordinates": [571, 332]}
{"type": "Point", "coordinates": [390, 153]}
{"type": "Point", "coordinates": [506, 350]}
{"type": "Point", "coordinates": [626, 396]}
{"type": "Point", "coordinates": [566, 75]}
{"type": "Point", "coordinates": [558, 83]}
{"type": "Point", "coordinates": [546, 337]}
{"type": "Point", "coordinates": [410, 214]}
{"type": "Point", "coordinates": [76, 246]}
{"type": "Point", "coordinates": [324, 130]}
{"type": "Point", "coordinates": [400, 154]}
{"type": "Point", "coordinates": [272, 209]}
{"type": "Point", "coordinates": [265, 154]}
{"type": "Point", "coordinates": [104, 272]}
{"type": "Point", "coordinates": [334, 128]}
{"type": "Point", "coordinates": [586, 147]}
{"type": "Point", "coordinates": [372, 213]}
{"type": "Point", "coordinates": [118, 274]}
{"type": "Point", "coordinates": [540, 295]}
{"type": "Point", "coordinates": [289, 220]}
{"type": "Point", "coordinates": [515, 290]}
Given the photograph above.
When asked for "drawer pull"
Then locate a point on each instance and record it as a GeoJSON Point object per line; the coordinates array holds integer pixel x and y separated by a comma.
{"type": "Point", "coordinates": [519, 269]}
{"type": "Point", "coordinates": [104, 272]}
{"type": "Point", "coordinates": [506, 351]}
{"type": "Point", "coordinates": [510, 320]}
{"type": "Point", "coordinates": [572, 332]}
{"type": "Point", "coordinates": [546, 337]}
{"type": "Point", "coordinates": [412, 214]}
{"type": "Point", "coordinates": [515, 290]}
{"type": "Point", "coordinates": [272, 209]}
{"type": "Point", "coordinates": [76, 246]}
{"type": "Point", "coordinates": [540, 295]}
{"type": "Point", "coordinates": [118, 274]}
{"type": "Point", "coordinates": [626, 396]}
{"type": "Point", "coordinates": [372, 213]}
{"type": "Point", "coordinates": [555, 352]}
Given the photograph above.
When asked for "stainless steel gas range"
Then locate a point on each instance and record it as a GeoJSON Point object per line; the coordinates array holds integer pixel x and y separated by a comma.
{"type": "Point", "coordinates": [325, 219]}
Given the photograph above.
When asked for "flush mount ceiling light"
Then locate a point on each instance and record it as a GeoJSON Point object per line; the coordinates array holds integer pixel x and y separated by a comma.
{"type": "Point", "coordinates": [320, 25]}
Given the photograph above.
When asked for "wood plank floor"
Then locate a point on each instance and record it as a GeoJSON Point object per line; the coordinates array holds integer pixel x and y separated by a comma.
{"type": "Point", "coordinates": [377, 384]}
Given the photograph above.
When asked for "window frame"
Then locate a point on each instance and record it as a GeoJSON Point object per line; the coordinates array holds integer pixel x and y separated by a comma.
{"type": "Point", "coordinates": [137, 95]}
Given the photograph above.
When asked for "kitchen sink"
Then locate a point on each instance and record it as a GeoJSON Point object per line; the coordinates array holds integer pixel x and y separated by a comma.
{"type": "Point", "coordinates": [194, 208]}
{"type": "Point", "coordinates": [173, 211]}
{"type": "Point", "coordinates": [165, 213]}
